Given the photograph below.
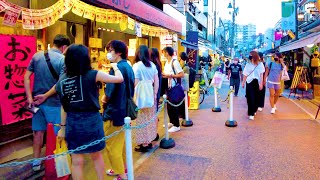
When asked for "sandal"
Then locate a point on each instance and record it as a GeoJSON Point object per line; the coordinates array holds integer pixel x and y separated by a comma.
{"type": "Point", "coordinates": [110, 172]}
{"type": "Point", "coordinates": [141, 148]}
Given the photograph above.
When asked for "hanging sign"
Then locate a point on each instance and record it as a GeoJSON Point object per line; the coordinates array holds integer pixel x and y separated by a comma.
{"type": "Point", "coordinates": [15, 55]}
{"type": "Point", "coordinates": [3, 5]}
{"type": "Point", "coordinates": [11, 15]}
{"type": "Point", "coordinates": [138, 29]}
{"type": "Point", "coordinates": [101, 15]}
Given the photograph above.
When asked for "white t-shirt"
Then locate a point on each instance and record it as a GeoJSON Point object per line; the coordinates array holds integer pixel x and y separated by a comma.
{"type": "Point", "coordinates": [256, 71]}
{"type": "Point", "coordinates": [168, 70]}
{"type": "Point", "coordinates": [142, 72]}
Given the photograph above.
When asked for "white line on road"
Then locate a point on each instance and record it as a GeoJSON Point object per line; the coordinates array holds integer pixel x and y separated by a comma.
{"type": "Point", "coordinates": [306, 111]}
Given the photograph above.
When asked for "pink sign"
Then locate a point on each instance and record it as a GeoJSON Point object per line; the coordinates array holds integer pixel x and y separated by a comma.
{"type": "Point", "coordinates": [15, 55]}
{"type": "Point", "coordinates": [146, 12]}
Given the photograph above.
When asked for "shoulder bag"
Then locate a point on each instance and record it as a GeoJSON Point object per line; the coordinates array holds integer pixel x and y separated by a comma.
{"type": "Point", "coordinates": [53, 72]}
{"type": "Point", "coordinates": [175, 94]}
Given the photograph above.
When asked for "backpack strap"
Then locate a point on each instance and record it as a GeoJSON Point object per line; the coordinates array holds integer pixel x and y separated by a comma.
{"type": "Point", "coordinates": [53, 72]}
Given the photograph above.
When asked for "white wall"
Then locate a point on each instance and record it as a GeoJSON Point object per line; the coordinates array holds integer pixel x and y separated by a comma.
{"type": "Point", "coordinates": [171, 11]}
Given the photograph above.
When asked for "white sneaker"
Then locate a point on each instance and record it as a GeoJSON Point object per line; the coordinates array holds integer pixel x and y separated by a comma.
{"type": "Point", "coordinates": [174, 129]}
{"type": "Point", "coordinates": [251, 117]}
{"type": "Point", "coordinates": [36, 165]}
{"type": "Point", "coordinates": [273, 110]}
{"type": "Point", "coordinates": [260, 109]}
{"type": "Point", "coordinates": [169, 125]}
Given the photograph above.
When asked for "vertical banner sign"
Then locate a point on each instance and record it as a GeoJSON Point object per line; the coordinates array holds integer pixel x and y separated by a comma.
{"type": "Point", "coordinates": [15, 55]}
{"type": "Point", "coordinates": [192, 37]}
{"type": "Point", "coordinates": [288, 21]}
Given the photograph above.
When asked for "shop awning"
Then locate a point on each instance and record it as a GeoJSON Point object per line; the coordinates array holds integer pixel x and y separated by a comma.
{"type": "Point", "coordinates": [187, 44]}
{"type": "Point", "coordinates": [142, 12]}
{"type": "Point", "coordinates": [311, 39]}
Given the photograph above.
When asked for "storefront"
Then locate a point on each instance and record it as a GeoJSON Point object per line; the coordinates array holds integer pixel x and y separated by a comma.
{"type": "Point", "coordinates": [29, 26]}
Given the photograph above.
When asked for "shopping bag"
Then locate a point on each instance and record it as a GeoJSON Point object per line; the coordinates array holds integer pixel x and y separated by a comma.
{"type": "Point", "coordinates": [217, 80]}
{"type": "Point", "coordinates": [62, 162]}
{"type": "Point", "coordinates": [143, 94]}
{"type": "Point", "coordinates": [285, 75]}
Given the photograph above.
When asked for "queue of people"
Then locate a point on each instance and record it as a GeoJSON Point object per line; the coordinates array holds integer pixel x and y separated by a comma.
{"type": "Point", "coordinates": [74, 94]}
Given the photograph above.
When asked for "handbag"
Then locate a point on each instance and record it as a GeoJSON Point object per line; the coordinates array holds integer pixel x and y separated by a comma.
{"type": "Point", "coordinates": [175, 94]}
{"type": "Point", "coordinates": [143, 91]}
{"type": "Point", "coordinates": [285, 75]}
{"type": "Point", "coordinates": [132, 109]}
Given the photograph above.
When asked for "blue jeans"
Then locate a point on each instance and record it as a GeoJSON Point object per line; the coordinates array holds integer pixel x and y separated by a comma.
{"type": "Point", "coordinates": [45, 115]}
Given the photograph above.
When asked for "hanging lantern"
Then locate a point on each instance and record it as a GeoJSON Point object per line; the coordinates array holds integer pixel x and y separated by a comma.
{"type": "Point", "coordinates": [131, 23]}
{"type": "Point", "coordinates": [123, 22]}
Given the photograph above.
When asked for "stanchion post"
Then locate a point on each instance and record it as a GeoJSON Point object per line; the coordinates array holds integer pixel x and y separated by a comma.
{"type": "Point", "coordinates": [231, 122]}
{"type": "Point", "coordinates": [216, 107]}
{"type": "Point", "coordinates": [166, 143]}
{"type": "Point", "coordinates": [129, 159]}
{"type": "Point", "coordinates": [186, 122]}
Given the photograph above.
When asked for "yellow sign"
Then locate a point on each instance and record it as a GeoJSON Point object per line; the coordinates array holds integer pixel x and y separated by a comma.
{"type": "Point", "coordinates": [292, 36]}
{"type": "Point", "coordinates": [194, 94]}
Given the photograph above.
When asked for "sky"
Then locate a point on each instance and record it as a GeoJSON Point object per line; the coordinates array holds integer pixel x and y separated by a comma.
{"type": "Point", "coordinates": [263, 13]}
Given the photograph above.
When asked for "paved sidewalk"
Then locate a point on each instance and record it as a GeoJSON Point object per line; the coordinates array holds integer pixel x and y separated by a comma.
{"type": "Point", "coordinates": [281, 146]}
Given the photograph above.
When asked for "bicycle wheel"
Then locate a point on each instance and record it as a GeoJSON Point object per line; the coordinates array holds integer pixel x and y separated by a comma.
{"type": "Point", "coordinates": [201, 95]}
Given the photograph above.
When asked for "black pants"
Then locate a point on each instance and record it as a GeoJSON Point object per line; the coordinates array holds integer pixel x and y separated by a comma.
{"type": "Point", "coordinates": [235, 83]}
{"type": "Point", "coordinates": [262, 94]}
{"type": "Point", "coordinates": [174, 113]}
{"type": "Point", "coordinates": [252, 94]}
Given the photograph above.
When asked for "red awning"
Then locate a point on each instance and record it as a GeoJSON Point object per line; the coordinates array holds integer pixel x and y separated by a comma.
{"type": "Point", "coordinates": [143, 11]}
{"type": "Point", "coordinates": [311, 39]}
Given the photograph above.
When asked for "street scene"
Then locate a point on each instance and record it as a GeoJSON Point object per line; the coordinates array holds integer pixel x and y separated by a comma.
{"type": "Point", "coordinates": [159, 89]}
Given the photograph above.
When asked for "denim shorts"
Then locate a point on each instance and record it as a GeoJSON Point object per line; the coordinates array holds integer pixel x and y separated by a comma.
{"type": "Point", "coordinates": [45, 115]}
{"type": "Point", "coordinates": [273, 86]}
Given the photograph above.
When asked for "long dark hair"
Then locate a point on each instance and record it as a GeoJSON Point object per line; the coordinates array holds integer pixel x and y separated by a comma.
{"type": "Point", "coordinates": [155, 58]}
{"type": "Point", "coordinates": [142, 54]}
{"type": "Point", "coordinates": [77, 60]}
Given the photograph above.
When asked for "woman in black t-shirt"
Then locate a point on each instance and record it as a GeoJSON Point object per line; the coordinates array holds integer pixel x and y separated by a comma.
{"type": "Point", "coordinates": [81, 122]}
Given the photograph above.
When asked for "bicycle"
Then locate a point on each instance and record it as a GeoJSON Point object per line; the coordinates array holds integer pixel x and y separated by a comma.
{"type": "Point", "coordinates": [204, 87]}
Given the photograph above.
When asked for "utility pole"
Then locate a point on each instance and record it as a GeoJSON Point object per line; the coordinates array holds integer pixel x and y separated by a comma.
{"type": "Point", "coordinates": [296, 18]}
{"type": "Point", "coordinates": [233, 28]}
{"type": "Point", "coordinates": [215, 20]}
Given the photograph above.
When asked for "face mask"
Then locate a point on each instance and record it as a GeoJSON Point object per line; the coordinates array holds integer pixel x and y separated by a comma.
{"type": "Point", "coordinates": [250, 57]}
{"type": "Point", "coordinates": [109, 57]}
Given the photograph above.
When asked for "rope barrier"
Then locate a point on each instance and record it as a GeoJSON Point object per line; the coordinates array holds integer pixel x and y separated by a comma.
{"type": "Point", "coordinates": [13, 164]}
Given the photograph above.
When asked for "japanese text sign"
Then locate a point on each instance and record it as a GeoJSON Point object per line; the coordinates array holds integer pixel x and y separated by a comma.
{"type": "Point", "coordinates": [15, 55]}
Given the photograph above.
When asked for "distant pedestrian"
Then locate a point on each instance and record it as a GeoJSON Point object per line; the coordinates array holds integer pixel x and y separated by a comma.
{"type": "Point", "coordinates": [253, 79]}
{"type": "Point", "coordinates": [262, 92]}
{"type": "Point", "coordinates": [172, 72]}
{"type": "Point", "coordinates": [47, 67]}
{"type": "Point", "coordinates": [234, 75]}
{"type": "Point", "coordinates": [227, 65]}
{"type": "Point", "coordinates": [145, 72]}
{"type": "Point", "coordinates": [273, 73]}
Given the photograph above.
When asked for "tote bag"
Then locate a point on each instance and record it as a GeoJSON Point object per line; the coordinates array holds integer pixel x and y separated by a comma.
{"type": "Point", "coordinates": [143, 94]}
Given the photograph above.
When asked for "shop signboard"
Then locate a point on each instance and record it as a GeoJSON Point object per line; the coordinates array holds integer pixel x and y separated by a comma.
{"type": "Point", "coordinates": [288, 21]}
{"type": "Point", "coordinates": [192, 37]}
{"type": "Point", "coordinates": [15, 55]}
{"type": "Point", "coordinates": [144, 11]}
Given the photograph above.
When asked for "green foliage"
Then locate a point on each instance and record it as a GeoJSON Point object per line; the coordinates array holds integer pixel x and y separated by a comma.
{"type": "Point", "coordinates": [313, 49]}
